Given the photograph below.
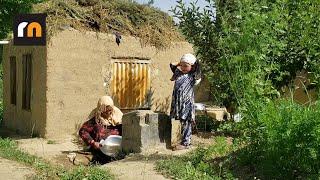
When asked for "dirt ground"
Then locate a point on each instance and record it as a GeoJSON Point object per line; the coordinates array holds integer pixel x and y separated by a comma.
{"type": "Point", "coordinates": [68, 153]}
{"type": "Point", "coordinates": [133, 169]}
{"type": "Point", "coordinates": [142, 166]}
{"type": "Point", "coordinates": [13, 170]}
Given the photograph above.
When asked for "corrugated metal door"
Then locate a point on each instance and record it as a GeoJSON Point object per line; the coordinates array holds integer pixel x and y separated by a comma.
{"type": "Point", "coordinates": [131, 83]}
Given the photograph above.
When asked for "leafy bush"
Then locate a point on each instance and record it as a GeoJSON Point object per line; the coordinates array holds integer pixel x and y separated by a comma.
{"type": "Point", "coordinates": [208, 124]}
{"type": "Point", "coordinates": [283, 139]}
{"type": "Point", "coordinates": [205, 123]}
{"type": "Point", "coordinates": [251, 49]}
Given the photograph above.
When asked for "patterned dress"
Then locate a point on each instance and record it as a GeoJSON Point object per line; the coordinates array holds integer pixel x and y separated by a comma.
{"type": "Point", "coordinates": [182, 105]}
{"type": "Point", "coordinates": [90, 130]}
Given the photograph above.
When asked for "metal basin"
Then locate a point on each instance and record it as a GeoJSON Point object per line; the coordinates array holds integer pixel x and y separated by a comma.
{"type": "Point", "coordinates": [112, 145]}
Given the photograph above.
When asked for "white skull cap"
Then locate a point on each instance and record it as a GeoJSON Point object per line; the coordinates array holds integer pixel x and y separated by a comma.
{"type": "Point", "coordinates": [188, 58]}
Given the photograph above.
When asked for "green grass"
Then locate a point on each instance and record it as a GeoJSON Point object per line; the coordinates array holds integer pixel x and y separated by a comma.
{"type": "Point", "coordinates": [283, 140]}
{"type": "Point", "coordinates": [51, 142]}
{"type": "Point", "coordinates": [45, 170]}
{"type": "Point", "coordinates": [83, 172]}
{"type": "Point", "coordinates": [203, 163]}
{"type": "Point", "coordinates": [222, 128]}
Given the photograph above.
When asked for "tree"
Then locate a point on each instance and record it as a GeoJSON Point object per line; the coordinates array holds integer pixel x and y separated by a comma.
{"type": "Point", "coordinates": [253, 47]}
{"type": "Point", "coordinates": [150, 2]}
{"type": "Point", "coordinates": [250, 50]}
{"type": "Point", "coordinates": [8, 9]}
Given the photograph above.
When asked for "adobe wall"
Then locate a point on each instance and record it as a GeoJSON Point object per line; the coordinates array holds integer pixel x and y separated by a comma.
{"type": "Point", "coordinates": [14, 117]}
{"type": "Point", "coordinates": [79, 63]}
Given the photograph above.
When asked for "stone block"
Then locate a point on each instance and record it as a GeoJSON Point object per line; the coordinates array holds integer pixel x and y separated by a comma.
{"type": "Point", "coordinates": [145, 129]}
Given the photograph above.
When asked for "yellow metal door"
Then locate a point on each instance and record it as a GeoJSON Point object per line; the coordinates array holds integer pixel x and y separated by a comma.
{"type": "Point", "coordinates": [131, 83]}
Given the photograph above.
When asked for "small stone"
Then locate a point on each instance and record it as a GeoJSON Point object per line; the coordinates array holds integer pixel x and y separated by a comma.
{"type": "Point", "coordinates": [72, 157]}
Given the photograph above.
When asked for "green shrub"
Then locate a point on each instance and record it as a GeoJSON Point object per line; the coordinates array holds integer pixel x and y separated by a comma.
{"type": "Point", "coordinates": [206, 123]}
{"type": "Point", "coordinates": [200, 163]}
{"type": "Point", "coordinates": [283, 139]}
{"type": "Point", "coordinates": [251, 49]}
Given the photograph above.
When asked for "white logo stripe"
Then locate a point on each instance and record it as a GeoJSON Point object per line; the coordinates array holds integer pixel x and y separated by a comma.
{"type": "Point", "coordinates": [21, 26]}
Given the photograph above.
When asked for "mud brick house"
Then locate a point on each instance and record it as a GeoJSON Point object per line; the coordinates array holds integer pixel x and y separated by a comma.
{"type": "Point", "coordinates": [49, 91]}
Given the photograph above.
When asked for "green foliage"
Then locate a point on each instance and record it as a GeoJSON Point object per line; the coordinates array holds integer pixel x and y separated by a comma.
{"type": "Point", "coordinates": [9, 8]}
{"type": "Point", "coordinates": [10, 150]}
{"type": "Point", "coordinates": [90, 173]}
{"type": "Point", "coordinates": [253, 48]}
{"type": "Point", "coordinates": [283, 139]}
{"type": "Point", "coordinates": [250, 50]}
{"type": "Point", "coordinates": [150, 2]}
{"type": "Point", "coordinates": [200, 163]}
{"type": "Point", "coordinates": [227, 128]}
{"type": "Point", "coordinates": [51, 142]}
{"type": "Point", "coordinates": [208, 124]}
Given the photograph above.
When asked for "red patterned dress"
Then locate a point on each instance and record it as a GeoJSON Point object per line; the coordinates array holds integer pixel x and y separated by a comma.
{"type": "Point", "coordinates": [91, 132]}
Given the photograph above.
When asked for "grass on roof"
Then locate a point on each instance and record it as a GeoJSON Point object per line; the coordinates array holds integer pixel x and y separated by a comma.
{"type": "Point", "coordinates": [152, 26]}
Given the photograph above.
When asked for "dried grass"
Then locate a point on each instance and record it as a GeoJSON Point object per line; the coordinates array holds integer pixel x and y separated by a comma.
{"type": "Point", "coordinates": [152, 26]}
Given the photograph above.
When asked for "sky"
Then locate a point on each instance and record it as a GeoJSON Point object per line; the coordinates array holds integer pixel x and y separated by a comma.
{"type": "Point", "coordinates": [165, 5]}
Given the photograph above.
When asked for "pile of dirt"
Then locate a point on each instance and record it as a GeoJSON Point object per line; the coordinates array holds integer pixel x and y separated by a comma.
{"type": "Point", "coordinates": [151, 25]}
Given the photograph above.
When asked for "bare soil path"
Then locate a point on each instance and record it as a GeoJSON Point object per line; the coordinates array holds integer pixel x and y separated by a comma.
{"type": "Point", "coordinates": [13, 170]}
{"type": "Point", "coordinates": [134, 166]}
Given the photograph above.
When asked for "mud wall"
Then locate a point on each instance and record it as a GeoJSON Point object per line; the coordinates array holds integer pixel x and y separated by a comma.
{"type": "Point", "coordinates": [79, 72]}
{"type": "Point", "coordinates": [22, 121]}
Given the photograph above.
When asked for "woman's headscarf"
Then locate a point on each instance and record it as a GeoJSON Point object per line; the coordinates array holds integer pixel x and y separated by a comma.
{"type": "Point", "coordinates": [115, 117]}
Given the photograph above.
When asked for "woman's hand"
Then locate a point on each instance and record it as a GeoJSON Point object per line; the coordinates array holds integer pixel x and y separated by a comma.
{"type": "Point", "coordinates": [96, 145]}
{"type": "Point", "coordinates": [114, 132]}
